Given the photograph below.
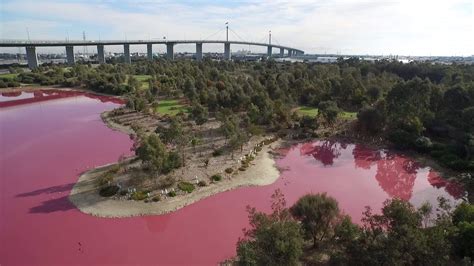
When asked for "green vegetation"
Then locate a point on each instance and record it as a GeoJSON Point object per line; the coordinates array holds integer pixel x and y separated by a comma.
{"type": "Point", "coordinates": [108, 191]}
{"type": "Point", "coordinates": [139, 195]}
{"type": "Point", "coordinates": [313, 112]}
{"type": "Point", "coordinates": [229, 170]}
{"type": "Point", "coordinates": [8, 76]}
{"type": "Point", "coordinates": [171, 194]}
{"type": "Point", "coordinates": [428, 108]}
{"type": "Point", "coordinates": [216, 177]}
{"type": "Point", "coordinates": [170, 107]}
{"type": "Point", "coordinates": [154, 155]}
{"type": "Point", "coordinates": [399, 235]}
{"type": "Point", "coordinates": [186, 187]}
{"type": "Point", "coordinates": [142, 78]}
{"type": "Point", "coordinates": [308, 111]}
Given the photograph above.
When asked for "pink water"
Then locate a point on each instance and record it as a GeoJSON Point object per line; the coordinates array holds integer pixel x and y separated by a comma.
{"type": "Point", "coordinates": [46, 144]}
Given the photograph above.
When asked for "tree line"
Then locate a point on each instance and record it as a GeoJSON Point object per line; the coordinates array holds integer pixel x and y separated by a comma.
{"type": "Point", "coordinates": [314, 231]}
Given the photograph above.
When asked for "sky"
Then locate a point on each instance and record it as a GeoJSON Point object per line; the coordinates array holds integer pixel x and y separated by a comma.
{"type": "Point", "coordinates": [378, 27]}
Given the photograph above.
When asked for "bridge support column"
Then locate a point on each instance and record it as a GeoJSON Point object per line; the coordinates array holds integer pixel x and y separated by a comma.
{"type": "Point", "coordinates": [269, 51]}
{"type": "Point", "coordinates": [170, 51]}
{"type": "Point", "coordinates": [126, 53]}
{"type": "Point", "coordinates": [227, 55]}
{"type": "Point", "coordinates": [32, 57]}
{"type": "Point", "coordinates": [290, 53]}
{"type": "Point", "coordinates": [282, 52]}
{"type": "Point", "coordinates": [149, 51]}
{"type": "Point", "coordinates": [100, 54]}
{"type": "Point", "coordinates": [70, 55]}
{"type": "Point", "coordinates": [198, 51]}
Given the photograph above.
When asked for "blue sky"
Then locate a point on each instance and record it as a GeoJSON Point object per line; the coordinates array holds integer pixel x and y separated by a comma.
{"type": "Point", "coordinates": [408, 27]}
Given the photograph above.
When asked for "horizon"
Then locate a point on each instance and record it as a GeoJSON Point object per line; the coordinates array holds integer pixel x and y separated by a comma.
{"type": "Point", "coordinates": [354, 27]}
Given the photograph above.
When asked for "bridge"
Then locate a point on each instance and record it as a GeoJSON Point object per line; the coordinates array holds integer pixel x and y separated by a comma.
{"type": "Point", "coordinates": [32, 57]}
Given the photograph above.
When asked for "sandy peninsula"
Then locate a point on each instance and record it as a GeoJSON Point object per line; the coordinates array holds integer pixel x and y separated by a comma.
{"type": "Point", "coordinates": [85, 197]}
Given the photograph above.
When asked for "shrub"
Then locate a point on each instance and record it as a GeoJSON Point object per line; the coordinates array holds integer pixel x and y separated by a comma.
{"type": "Point", "coordinates": [370, 119]}
{"type": "Point", "coordinates": [109, 191]}
{"type": "Point", "coordinates": [186, 187]}
{"type": "Point", "coordinates": [229, 170]}
{"type": "Point", "coordinates": [217, 152]}
{"type": "Point", "coordinates": [105, 178]}
{"type": "Point", "coordinates": [166, 182]}
{"type": "Point", "coordinates": [139, 195]}
{"type": "Point", "coordinates": [202, 183]}
{"type": "Point", "coordinates": [401, 138]}
{"type": "Point", "coordinates": [242, 168]}
{"type": "Point", "coordinates": [156, 198]}
{"type": "Point", "coordinates": [423, 144]}
{"type": "Point", "coordinates": [216, 177]}
{"type": "Point", "coordinates": [172, 194]}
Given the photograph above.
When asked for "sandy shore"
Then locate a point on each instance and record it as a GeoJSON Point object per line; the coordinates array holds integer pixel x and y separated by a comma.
{"type": "Point", "coordinates": [85, 197]}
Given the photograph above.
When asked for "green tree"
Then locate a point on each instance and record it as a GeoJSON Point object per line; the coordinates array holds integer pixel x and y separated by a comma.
{"type": "Point", "coordinates": [370, 119]}
{"type": "Point", "coordinates": [152, 152]}
{"type": "Point", "coordinates": [318, 214]}
{"type": "Point", "coordinates": [329, 111]}
{"type": "Point", "coordinates": [273, 239]}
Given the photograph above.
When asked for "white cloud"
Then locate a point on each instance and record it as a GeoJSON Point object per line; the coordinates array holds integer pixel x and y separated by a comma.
{"type": "Point", "coordinates": [353, 26]}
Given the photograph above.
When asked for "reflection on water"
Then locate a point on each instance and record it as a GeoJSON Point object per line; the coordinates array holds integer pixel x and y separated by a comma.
{"type": "Point", "coordinates": [8, 99]}
{"type": "Point", "coordinates": [395, 173]}
{"type": "Point", "coordinates": [324, 152]}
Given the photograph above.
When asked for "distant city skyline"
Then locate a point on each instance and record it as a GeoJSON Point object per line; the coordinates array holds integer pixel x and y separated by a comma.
{"type": "Point", "coordinates": [404, 27]}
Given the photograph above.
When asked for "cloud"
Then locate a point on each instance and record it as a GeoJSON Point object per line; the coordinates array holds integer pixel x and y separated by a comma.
{"type": "Point", "coordinates": [415, 27]}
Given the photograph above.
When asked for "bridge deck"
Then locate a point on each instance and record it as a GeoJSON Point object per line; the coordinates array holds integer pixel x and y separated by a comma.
{"type": "Point", "coordinates": [49, 43]}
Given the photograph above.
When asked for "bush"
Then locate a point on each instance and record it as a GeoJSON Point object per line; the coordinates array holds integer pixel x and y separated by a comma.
{"type": "Point", "coordinates": [217, 152]}
{"type": "Point", "coordinates": [105, 179]}
{"type": "Point", "coordinates": [109, 191]}
{"type": "Point", "coordinates": [229, 170]}
{"type": "Point", "coordinates": [186, 187]}
{"type": "Point", "coordinates": [401, 139]}
{"type": "Point", "coordinates": [202, 183]}
{"type": "Point", "coordinates": [423, 144]}
{"type": "Point", "coordinates": [139, 195]}
{"type": "Point", "coordinates": [172, 194]}
{"type": "Point", "coordinates": [370, 119]}
{"type": "Point", "coordinates": [166, 182]}
{"type": "Point", "coordinates": [308, 122]}
{"type": "Point", "coordinates": [242, 168]}
{"type": "Point", "coordinates": [216, 177]}
{"type": "Point", "coordinates": [156, 198]}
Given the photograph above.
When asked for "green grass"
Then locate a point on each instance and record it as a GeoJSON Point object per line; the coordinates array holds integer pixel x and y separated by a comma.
{"type": "Point", "coordinates": [8, 76]}
{"type": "Point", "coordinates": [170, 107]}
{"type": "Point", "coordinates": [142, 78]}
{"type": "Point", "coordinates": [313, 112]}
{"type": "Point", "coordinates": [309, 111]}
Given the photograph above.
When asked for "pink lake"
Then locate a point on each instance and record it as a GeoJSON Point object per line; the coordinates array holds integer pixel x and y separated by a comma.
{"type": "Point", "coordinates": [48, 138]}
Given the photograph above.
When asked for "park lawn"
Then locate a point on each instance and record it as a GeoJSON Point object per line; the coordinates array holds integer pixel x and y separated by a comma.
{"type": "Point", "coordinates": [307, 110]}
{"type": "Point", "coordinates": [171, 107]}
{"type": "Point", "coordinates": [142, 78]}
{"type": "Point", "coordinates": [313, 112]}
{"type": "Point", "coordinates": [8, 76]}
